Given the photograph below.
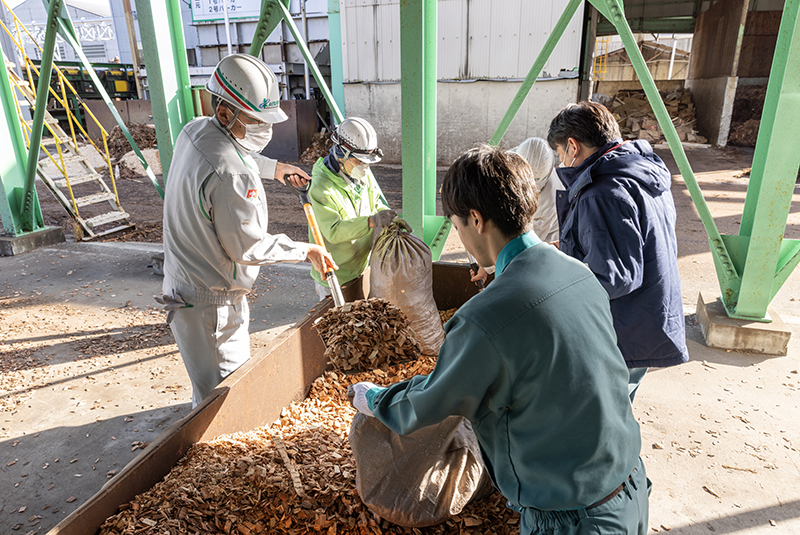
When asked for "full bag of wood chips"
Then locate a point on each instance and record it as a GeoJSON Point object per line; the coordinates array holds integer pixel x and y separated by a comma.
{"type": "Point", "coordinates": [401, 272]}
{"type": "Point", "coordinates": [421, 479]}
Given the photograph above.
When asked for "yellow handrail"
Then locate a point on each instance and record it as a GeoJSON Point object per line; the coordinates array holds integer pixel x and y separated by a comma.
{"type": "Point", "coordinates": [63, 167]}
{"type": "Point", "coordinates": [63, 82]}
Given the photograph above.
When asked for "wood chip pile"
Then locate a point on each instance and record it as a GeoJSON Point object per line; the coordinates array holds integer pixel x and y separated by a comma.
{"type": "Point", "coordinates": [445, 315]}
{"type": "Point", "coordinates": [637, 120]}
{"type": "Point", "coordinates": [293, 477]}
{"type": "Point", "coordinates": [367, 334]}
{"type": "Point", "coordinates": [320, 145]}
{"type": "Point", "coordinates": [143, 134]}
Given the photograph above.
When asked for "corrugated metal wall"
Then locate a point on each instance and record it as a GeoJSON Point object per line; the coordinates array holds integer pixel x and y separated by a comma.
{"type": "Point", "coordinates": [478, 39]}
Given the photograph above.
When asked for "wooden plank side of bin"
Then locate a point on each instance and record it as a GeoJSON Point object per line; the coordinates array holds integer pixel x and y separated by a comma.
{"type": "Point", "coordinates": [252, 396]}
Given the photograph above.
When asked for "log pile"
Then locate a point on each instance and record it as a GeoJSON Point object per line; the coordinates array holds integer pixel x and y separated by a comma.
{"type": "Point", "coordinates": [293, 477]}
{"type": "Point", "coordinates": [367, 334]}
{"type": "Point", "coordinates": [320, 145]}
{"type": "Point", "coordinates": [637, 120]}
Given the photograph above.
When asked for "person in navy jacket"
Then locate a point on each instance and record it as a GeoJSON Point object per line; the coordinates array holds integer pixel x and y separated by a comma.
{"type": "Point", "coordinates": [618, 217]}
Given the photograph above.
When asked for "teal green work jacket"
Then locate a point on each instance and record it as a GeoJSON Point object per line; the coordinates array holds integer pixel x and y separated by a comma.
{"type": "Point", "coordinates": [342, 213]}
{"type": "Point", "coordinates": [533, 363]}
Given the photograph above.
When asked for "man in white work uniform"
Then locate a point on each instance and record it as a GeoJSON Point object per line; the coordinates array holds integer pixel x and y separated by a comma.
{"type": "Point", "coordinates": [215, 221]}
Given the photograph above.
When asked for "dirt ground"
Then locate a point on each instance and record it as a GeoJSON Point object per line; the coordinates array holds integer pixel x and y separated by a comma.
{"type": "Point", "coordinates": [720, 433]}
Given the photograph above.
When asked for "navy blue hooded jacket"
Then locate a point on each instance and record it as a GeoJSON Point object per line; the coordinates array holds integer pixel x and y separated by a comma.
{"type": "Point", "coordinates": [618, 217]}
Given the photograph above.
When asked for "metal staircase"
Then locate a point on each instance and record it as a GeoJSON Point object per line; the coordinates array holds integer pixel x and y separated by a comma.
{"type": "Point", "coordinates": [66, 172]}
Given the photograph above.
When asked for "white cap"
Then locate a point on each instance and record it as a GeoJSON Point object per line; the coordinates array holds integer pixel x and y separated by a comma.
{"type": "Point", "coordinates": [247, 83]}
{"type": "Point", "coordinates": [539, 156]}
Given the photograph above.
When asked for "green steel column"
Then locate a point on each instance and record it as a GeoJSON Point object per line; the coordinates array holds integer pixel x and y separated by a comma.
{"type": "Point", "coordinates": [167, 72]}
{"type": "Point", "coordinates": [726, 271]}
{"type": "Point", "coordinates": [12, 163]}
{"type": "Point", "coordinates": [429, 110]}
{"type": "Point", "coordinates": [418, 78]}
{"type": "Point", "coordinates": [536, 69]}
{"type": "Point", "coordinates": [28, 201]}
{"type": "Point", "coordinates": [412, 102]}
{"type": "Point", "coordinates": [772, 179]}
{"type": "Point", "coordinates": [335, 48]}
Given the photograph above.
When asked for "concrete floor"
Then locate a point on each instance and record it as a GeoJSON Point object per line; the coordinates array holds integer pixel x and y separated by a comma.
{"type": "Point", "coordinates": [720, 433]}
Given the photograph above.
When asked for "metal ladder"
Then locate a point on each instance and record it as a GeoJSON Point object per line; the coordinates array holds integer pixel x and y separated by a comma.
{"type": "Point", "coordinates": [68, 168]}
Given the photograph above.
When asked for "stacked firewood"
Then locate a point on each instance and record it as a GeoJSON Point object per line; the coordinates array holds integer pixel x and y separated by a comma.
{"type": "Point", "coordinates": [367, 334]}
{"type": "Point", "coordinates": [636, 119]}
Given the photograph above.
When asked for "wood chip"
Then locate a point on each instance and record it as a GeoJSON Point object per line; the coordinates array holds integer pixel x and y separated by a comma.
{"type": "Point", "coordinates": [710, 491]}
{"type": "Point", "coordinates": [367, 334]}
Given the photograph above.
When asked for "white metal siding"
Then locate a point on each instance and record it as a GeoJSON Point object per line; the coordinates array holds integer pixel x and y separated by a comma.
{"type": "Point", "coordinates": [477, 39]}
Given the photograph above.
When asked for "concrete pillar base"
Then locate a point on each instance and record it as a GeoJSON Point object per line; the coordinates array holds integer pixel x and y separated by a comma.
{"type": "Point", "coordinates": [724, 332]}
{"type": "Point", "coordinates": [11, 246]}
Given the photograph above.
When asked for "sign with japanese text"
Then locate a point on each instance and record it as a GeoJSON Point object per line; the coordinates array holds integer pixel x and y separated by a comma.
{"type": "Point", "coordinates": [212, 10]}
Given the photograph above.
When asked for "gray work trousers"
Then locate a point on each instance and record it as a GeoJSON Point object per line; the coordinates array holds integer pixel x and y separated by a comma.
{"type": "Point", "coordinates": [213, 341]}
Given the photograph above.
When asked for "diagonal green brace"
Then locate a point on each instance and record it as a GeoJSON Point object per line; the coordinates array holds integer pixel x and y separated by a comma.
{"type": "Point", "coordinates": [28, 199]}
{"type": "Point", "coordinates": [67, 31]}
{"type": "Point", "coordinates": [770, 258]}
{"type": "Point", "coordinates": [727, 274]}
{"type": "Point", "coordinates": [312, 65]}
{"type": "Point", "coordinates": [536, 70]}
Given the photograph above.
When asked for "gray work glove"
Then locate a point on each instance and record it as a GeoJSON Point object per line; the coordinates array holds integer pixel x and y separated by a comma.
{"type": "Point", "coordinates": [357, 394]}
{"type": "Point", "coordinates": [171, 304]}
{"type": "Point", "coordinates": [381, 219]}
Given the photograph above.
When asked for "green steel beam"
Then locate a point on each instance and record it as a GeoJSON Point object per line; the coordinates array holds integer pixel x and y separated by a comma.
{"type": "Point", "coordinates": [269, 18]}
{"type": "Point", "coordinates": [772, 179]}
{"type": "Point", "coordinates": [654, 25]}
{"type": "Point", "coordinates": [312, 65]}
{"type": "Point", "coordinates": [536, 69]}
{"type": "Point", "coordinates": [12, 164]}
{"type": "Point", "coordinates": [67, 31]}
{"type": "Point", "coordinates": [335, 49]}
{"type": "Point", "coordinates": [27, 210]}
{"type": "Point", "coordinates": [168, 79]}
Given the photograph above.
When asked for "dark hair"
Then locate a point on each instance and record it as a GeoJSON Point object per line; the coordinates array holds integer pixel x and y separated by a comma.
{"type": "Point", "coordinates": [497, 183]}
{"type": "Point", "coordinates": [588, 122]}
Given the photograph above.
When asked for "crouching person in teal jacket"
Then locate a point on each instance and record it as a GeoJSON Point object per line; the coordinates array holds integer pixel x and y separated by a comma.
{"type": "Point", "coordinates": [533, 363]}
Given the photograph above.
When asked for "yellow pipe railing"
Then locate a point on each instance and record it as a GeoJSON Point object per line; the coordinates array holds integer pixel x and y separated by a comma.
{"type": "Point", "coordinates": [63, 82]}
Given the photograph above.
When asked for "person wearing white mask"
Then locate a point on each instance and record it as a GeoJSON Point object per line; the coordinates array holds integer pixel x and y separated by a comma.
{"type": "Point", "coordinates": [215, 221]}
{"type": "Point", "coordinates": [537, 152]}
{"type": "Point", "coordinates": [347, 200]}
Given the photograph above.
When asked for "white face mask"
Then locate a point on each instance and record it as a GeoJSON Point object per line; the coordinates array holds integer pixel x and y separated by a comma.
{"type": "Point", "coordinates": [256, 136]}
{"type": "Point", "coordinates": [359, 171]}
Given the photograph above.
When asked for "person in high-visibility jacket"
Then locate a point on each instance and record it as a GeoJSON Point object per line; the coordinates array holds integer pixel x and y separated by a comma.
{"type": "Point", "coordinates": [347, 200]}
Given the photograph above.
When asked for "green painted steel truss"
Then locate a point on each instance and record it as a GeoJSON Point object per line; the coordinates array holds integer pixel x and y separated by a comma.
{"type": "Point", "coordinates": [751, 266]}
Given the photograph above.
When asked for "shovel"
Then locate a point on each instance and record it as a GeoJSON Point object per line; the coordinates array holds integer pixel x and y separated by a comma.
{"type": "Point", "coordinates": [330, 275]}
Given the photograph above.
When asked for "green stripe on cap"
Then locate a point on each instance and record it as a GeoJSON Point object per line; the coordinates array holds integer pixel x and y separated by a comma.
{"type": "Point", "coordinates": [230, 88]}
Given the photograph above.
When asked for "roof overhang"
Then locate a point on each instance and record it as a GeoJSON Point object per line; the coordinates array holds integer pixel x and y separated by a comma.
{"type": "Point", "coordinates": [656, 16]}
